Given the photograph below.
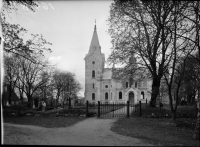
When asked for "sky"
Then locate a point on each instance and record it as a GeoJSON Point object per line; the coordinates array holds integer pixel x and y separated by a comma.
{"type": "Point", "coordinates": [69, 26]}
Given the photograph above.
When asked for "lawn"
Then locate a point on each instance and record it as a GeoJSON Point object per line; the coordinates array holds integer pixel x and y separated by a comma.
{"type": "Point", "coordinates": [50, 119]}
{"type": "Point", "coordinates": [45, 121]}
{"type": "Point", "coordinates": [161, 131]}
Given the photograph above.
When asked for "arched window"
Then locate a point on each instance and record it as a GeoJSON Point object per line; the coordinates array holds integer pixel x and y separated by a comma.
{"type": "Point", "coordinates": [120, 95]}
{"type": "Point", "coordinates": [93, 85]}
{"type": "Point", "coordinates": [93, 74]}
{"type": "Point", "coordinates": [142, 95]}
{"type": "Point", "coordinates": [130, 82]}
{"type": "Point", "coordinates": [93, 96]}
{"type": "Point", "coordinates": [135, 84]}
{"type": "Point", "coordinates": [106, 95]}
{"type": "Point", "coordinates": [142, 83]}
{"type": "Point", "coordinates": [126, 84]}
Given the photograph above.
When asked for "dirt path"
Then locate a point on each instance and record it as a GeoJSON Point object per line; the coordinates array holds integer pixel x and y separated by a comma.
{"type": "Point", "coordinates": [91, 131]}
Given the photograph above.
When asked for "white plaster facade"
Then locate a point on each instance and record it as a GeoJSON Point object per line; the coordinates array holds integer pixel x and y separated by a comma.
{"type": "Point", "coordinates": [100, 86]}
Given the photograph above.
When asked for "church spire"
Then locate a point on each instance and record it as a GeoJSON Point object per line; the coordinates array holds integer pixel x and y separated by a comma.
{"type": "Point", "coordinates": [95, 25]}
{"type": "Point", "coordinates": [94, 45]}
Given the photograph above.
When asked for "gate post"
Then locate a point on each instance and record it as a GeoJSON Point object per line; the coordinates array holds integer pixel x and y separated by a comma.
{"type": "Point", "coordinates": [69, 103]}
{"type": "Point", "coordinates": [113, 110]}
{"type": "Point", "coordinates": [140, 108]}
{"type": "Point", "coordinates": [128, 109]}
{"type": "Point", "coordinates": [87, 109]}
{"type": "Point", "coordinates": [98, 115]}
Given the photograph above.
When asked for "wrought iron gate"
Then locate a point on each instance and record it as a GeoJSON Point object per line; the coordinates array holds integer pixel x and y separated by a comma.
{"type": "Point", "coordinates": [115, 109]}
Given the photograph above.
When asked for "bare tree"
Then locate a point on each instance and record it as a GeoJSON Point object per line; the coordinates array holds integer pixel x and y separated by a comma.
{"type": "Point", "coordinates": [11, 74]}
{"type": "Point", "coordinates": [31, 76]}
{"type": "Point", "coordinates": [65, 85]}
{"type": "Point", "coordinates": [145, 29]}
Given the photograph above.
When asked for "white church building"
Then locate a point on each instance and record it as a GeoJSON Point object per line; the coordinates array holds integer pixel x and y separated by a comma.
{"type": "Point", "coordinates": [101, 86]}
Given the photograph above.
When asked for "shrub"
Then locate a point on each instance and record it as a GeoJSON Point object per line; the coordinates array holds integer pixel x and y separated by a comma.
{"type": "Point", "coordinates": [74, 111]}
{"type": "Point", "coordinates": [16, 107]}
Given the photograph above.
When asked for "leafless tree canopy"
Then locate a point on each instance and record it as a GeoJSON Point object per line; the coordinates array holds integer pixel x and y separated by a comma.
{"type": "Point", "coordinates": [149, 30]}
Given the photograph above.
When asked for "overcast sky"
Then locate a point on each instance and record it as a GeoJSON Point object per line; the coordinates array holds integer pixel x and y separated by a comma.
{"type": "Point", "coordinates": [69, 26]}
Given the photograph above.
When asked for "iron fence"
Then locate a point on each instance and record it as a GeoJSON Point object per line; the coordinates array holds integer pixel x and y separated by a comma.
{"type": "Point", "coordinates": [114, 109]}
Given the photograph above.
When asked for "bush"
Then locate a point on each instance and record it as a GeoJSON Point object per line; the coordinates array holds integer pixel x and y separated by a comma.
{"type": "Point", "coordinates": [182, 111]}
{"type": "Point", "coordinates": [80, 104]}
{"type": "Point", "coordinates": [74, 111]}
{"type": "Point", "coordinates": [91, 104]}
{"type": "Point", "coordinates": [62, 112]}
{"type": "Point", "coordinates": [48, 108]}
{"type": "Point", "coordinates": [16, 107]}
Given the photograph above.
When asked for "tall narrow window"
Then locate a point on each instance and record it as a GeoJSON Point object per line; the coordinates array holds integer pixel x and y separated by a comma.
{"type": "Point", "coordinates": [120, 95]}
{"type": "Point", "coordinates": [135, 84]}
{"type": "Point", "coordinates": [93, 96]}
{"type": "Point", "coordinates": [130, 82]}
{"type": "Point", "coordinates": [126, 84]}
{"type": "Point", "coordinates": [111, 95]}
{"type": "Point", "coordinates": [93, 85]}
{"type": "Point", "coordinates": [106, 96]}
{"type": "Point", "coordinates": [142, 95]}
{"type": "Point", "coordinates": [142, 83]}
{"type": "Point", "coordinates": [93, 74]}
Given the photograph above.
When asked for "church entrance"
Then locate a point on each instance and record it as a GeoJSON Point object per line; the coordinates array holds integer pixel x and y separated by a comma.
{"type": "Point", "coordinates": [131, 97]}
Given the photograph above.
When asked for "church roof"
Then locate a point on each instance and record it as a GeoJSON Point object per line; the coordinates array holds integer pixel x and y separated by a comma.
{"type": "Point", "coordinates": [95, 41]}
{"type": "Point", "coordinates": [107, 73]}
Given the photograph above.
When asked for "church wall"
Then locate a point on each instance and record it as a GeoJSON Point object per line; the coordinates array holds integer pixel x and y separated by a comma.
{"type": "Point", "coordinates": [89, 80]}
{"type": "Point", "coordinates": [106, 83]}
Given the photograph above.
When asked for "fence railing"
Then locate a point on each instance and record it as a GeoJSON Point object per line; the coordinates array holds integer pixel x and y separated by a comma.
{"type": "Point", "coordinates": [114, 109]}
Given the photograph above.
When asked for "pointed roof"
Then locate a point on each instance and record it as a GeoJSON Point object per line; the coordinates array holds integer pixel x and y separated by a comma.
{"type": "Point", "coordinates": [95, 41]}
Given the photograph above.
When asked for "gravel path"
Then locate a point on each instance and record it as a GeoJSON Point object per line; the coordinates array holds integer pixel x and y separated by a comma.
{"type": "Point", "coordinates": [92, 131]}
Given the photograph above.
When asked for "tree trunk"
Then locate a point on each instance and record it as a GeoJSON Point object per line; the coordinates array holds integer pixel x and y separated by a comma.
{"type": "Point", "coordinates": [21, 98]}
{"type": "Point", "coordinates": [56, 103]}
{"type": "Point", "coordinates": [155, 91]}
{"type": "Point", "coordinates": [9, 94]}
{"type": "Point", "coordinates": [9, 97]}
{"type": "Point", "coordinates": [173, 116]}
{"type": "Point", "coordinates": [51, 102]}
{"type": "Point", "coordinates": [30, 101]}
{"type": "Point", "coordinates": [173, 111]}
{"type": "Point", "coordinates": [197, 132]}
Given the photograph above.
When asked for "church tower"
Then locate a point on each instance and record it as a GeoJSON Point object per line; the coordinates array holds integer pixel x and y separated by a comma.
{"type": "Point", "coordinates": [94, 65]}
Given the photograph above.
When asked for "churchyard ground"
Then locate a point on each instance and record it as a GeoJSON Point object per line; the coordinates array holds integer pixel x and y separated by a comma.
{"type": "Point", "coordinates": [157, 131]}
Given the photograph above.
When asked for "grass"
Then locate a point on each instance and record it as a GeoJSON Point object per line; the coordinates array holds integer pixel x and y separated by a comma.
{"type": "Point", "coordinates": [188, 111]}
{"type": "Point", "coordinates": [160, 131]}
{"type": "Point", "coordinates": [47, 119]}
{"type": "Point", "coordinates": [49, 122]}
{"type": "Point", "coordinates": [156, 131]}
